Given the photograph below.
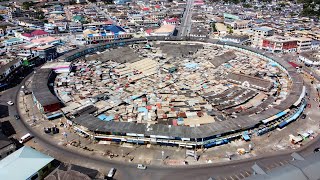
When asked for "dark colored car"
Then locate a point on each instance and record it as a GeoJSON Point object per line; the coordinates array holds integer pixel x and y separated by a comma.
{"type": "Point", "coordinates": [17, 117]}
{"type": "Point", "coordinates": [316, 150]}
{"type": "Point", "coordinates": [303, 116]}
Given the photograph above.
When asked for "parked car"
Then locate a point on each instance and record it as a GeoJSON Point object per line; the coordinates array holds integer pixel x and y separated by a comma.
{"type": "Point", "coordinates": [316, 150]}
{"type": "Point", "coordinates": [17, 117]}
{"type": "Point", "coordinates": [10, 103]}
{"type": "Point", "coordinates": [141, 166]}
{"type": "Point", "coordinates": [111, 173]}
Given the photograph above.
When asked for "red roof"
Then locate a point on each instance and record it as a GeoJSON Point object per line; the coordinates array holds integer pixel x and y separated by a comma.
{"type": "Point", "coordinates": [157, 6]}
{"type": "Point", "coordinates": [171, 20]}
{"type": "Point", "coordinates": [39, 33]}
{"type": "Point", "coordinates": [27, 35]}
{"type": "Point", "coordinates": [145, 9]}
{"type": "Point", "coordinates": [108, 22]}
{"type": "Point", "coordinates": [148, 31]}
{"type": "Point", "coordinates": [35, 33]}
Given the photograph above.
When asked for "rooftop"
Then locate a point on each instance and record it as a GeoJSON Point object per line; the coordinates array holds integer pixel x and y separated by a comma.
{"type": "Point", "coordinates": [26, 160]}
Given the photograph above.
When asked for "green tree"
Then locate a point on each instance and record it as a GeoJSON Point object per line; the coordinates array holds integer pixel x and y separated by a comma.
{"type": "Point", "coordinates": [26, 5]}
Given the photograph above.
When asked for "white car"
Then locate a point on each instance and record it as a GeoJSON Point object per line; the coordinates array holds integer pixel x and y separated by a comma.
{"type": "Point", "coordinates": [10, 103]}
{"type": "Point", "coordinates": [141, 166]}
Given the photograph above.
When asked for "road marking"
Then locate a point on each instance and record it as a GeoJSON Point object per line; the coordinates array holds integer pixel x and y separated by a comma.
{"type": "Point", "coordinates": [277, 165]}
{"type": "Point", "coordinates": [242, 175]}
{"type": "Point", "coordinates": [237, 176]}
{"type": "Point", "coordinates": [247, 173]}
{"type": "Point", "coordinates": [281, 163]}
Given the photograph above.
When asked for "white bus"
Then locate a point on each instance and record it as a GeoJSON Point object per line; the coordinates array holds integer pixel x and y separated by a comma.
{"type": "Point", "coordinates": [25, 138]}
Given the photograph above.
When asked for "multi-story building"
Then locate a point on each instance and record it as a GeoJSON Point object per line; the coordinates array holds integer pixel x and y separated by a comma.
{"type": "Point", "coordinates": [75, 27]}
{"type": "Point", "coordinates": [279, 44]}
{"type": "Point", "coordinates": [303, 44]}
{"type": "Point", "coordinates": [260, 33]}
{"type": "Point", "coordinates": [108, 34]}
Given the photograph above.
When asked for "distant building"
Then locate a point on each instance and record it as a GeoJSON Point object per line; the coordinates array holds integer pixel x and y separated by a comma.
{"type": "Point", "coordinates": [164, 30]}
{"type": "Point", "coordinates": [109, 33]}
{"type": "Point", "coordinates": [240, 24]}
{"type": "Point", "coordinates": [303, 44]}
{"type": "Point", "coordinates": [172, 21]}
{"type": "Point", "coordinates": [260, 33]}
{"type": "Point", "coordinates": [279, 44]}
{"type": "Point", "coordinates": [25, 163]}
{"type": "Point", "coordinates": [221, 29]}
{"type": "Point", "coordinates": [32, 35]}
{"type": "Point", "coordinates": [238, 39]}
{"type": "Point", "coordinates": [310, 58]}
{"type": "Point", "coordinates": [12, 41]}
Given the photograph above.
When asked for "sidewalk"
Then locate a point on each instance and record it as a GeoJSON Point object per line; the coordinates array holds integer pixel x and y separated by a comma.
{"type": "Point", "coordinates": [275, 141]}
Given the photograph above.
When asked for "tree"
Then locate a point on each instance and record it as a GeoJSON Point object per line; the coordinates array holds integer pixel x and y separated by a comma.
{"type": "Point", "coordinates": [26, 5]}
{"type": "Point", "coordinates": [1, 18]}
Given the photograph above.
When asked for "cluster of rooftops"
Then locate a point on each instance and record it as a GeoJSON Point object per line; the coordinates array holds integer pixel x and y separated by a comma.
{"type": "Point", "coordinates": [45, 97]}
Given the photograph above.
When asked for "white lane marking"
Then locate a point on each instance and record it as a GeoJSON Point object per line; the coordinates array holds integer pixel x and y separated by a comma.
{"type": "Point", "coordinates": [242, 175]}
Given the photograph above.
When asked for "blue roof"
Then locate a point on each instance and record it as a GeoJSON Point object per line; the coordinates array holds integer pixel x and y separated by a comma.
{"type": "Point", "coordinates": [23, 163]}
{"type": "Point", "coordinates": [114, 28]}
{"type": "Point", "coordinates": [104, 117]}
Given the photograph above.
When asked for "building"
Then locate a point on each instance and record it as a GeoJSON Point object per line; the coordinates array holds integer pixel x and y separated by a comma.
{"type": "Point", "coordinates": [238, 39]}
{"type": "Point", "coordinates": [310, 58]}
{"type": "Point", "coordinates": [12, 41]}
{"type": "Point", "coordinates": [240, 24]}
{"type": "Point", "coordinates": [259, 33]}
{"type": "Point", "coordinates": [164, 30]}
{"type": "Point", "coordinates": [25, 163]}
{"type": "Point", "coordinates": [75, 27]}
{"type": "Point", "coordinates": [109, 33]}
{"type": "Point", "coordinates": [172, 21]}
{"type": "Point", "coordinates": [221, 29]}
{"type": "Point", "coordinates": [6, 146]}
{"type": "Point", "coordinates": [303, 44]}
{"type": "Point", "coordinates": [279, 44]}
{"type": "Point", "coordinates": [42, 96]}
{"type": "Point", "coordinates": [33, 35]}
{"type": "Point", "coordinates": [8, 68]}
{"type": "Point", "coordinates": [198, 31]}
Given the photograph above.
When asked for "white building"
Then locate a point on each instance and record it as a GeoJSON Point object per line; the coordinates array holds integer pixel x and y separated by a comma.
{"type": "Point", "coordinates": [303, 44]}
{"type": "Point", "coordinates": [260, 33]}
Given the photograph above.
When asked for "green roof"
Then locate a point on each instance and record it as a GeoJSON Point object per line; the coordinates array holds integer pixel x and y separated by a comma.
{"type": "Point", "coordinates": [23, 163]}
{"type": "Point", "coordinates": [78, 17]}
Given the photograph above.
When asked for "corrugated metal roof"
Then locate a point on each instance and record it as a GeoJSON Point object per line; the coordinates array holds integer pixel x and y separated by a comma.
{"type": "Point", "coordinates": [23, 163]}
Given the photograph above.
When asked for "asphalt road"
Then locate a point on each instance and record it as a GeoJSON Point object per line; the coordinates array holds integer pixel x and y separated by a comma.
{"type": "Point", "coordinates": [232, 169]}
{"type": "Point", "coordinates": [185, 26]}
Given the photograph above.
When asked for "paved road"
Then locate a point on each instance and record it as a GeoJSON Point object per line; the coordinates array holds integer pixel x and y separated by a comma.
{"type": "Point", "coordinates": [98, 9]}
{"type": "Point", "coordinates": [185, 26]}
{"type": "Point", "coordinates": [234, 170]}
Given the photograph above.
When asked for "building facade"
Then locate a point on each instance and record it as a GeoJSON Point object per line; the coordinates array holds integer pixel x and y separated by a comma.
{"type": "Point", "coordinates": [280, 44]}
